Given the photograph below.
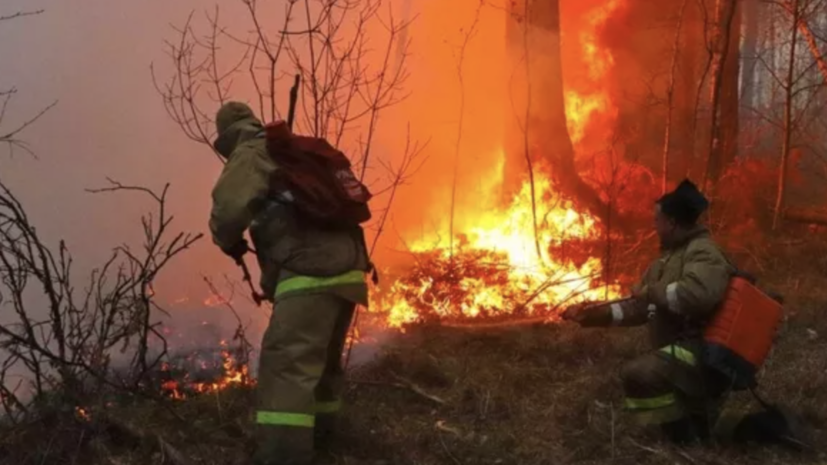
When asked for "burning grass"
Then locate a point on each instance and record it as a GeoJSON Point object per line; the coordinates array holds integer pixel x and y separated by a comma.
{"type": "Point", "coordinates": [205, 371]}
{"type": "Point", "coordinates": [511, 263]}
{"type": "Point", "coordinates": [473, 286]}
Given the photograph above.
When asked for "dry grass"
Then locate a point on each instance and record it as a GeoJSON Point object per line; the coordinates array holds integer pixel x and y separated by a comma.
{"type": "Point", "coordinates": [522, 395]}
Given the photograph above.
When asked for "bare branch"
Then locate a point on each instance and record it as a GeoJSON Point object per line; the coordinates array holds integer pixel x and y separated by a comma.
{"type": "Point", "coordinates": [460, 61]}
{"type": "Point", "coordinates": [12, 137]}
{"type": "Point", "coordinates": [21, 14]}
{"type": "Point", "coordinates": [70, 347]}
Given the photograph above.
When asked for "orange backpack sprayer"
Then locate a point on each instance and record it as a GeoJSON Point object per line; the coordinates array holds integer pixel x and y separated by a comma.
{"type": "Point", "coordinates": [740, 335]}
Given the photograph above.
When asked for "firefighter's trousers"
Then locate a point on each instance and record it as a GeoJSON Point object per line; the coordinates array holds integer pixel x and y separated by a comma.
{"type": "Point", "coordinates": [300, 376]}
{"type": "Point", "coordinates": [669, 385]}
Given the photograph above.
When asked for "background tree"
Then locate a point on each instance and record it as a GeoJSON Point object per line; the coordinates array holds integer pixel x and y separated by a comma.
{"type": "Point", "coordinates": [721, 45]}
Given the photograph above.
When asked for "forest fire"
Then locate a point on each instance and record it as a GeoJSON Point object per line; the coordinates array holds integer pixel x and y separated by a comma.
{"type": "Point", "coordinates": [204, 372]}
{"type": "Point", "coordinates": [528, 258]}
{"type": "Point", "coordinates": [583, 103]}
{"type": "Point", "coordinates": [579, 110]}
{"type": "Point", "coordinates": [506, 260]}
{"type": "Point", "coordinates": [499, 269]}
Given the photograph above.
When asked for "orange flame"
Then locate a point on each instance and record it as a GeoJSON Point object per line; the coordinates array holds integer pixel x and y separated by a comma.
{"type": "Point", "coordinates": [581, 105]}
{"type": "Point", "coordinates": [507, 262]}
{"type": "Point", "coordinates": [82, 414]}
{"type": "Point", "coordinates": [234, 373]}
{"type": "Point", "coordinates": [498, 266]}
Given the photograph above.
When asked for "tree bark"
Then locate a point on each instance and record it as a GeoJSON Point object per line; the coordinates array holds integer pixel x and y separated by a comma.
{"type": "Point", "coordinates": [670, 97]}
{"type": "Point", "coordinates": [541, 131]}
{"type": "Point", "coordinates": [793, 6]}
{"type": "Point", "coordinates": [692, 70]}
{"type": "Point", "coordinates": [724, 19]}
{"type": "Point", "coordinates": [730, 97]}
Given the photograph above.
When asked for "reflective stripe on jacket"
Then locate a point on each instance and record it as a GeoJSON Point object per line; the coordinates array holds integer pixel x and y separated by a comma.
{"type": "Point", "coordinates": [350, 285]}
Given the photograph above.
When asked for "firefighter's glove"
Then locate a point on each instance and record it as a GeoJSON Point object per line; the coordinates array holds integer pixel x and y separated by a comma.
{"type": "Point", "coordinates": [640, 292]}
{"type": "Point", "coordinates": [588, 314]}
{"type": "Point", "coordinates": [237, 251]}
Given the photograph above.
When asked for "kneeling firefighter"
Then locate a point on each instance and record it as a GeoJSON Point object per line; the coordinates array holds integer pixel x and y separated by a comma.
{"type": "Point", "coordinates": [314, 274]}
{"type": "Point", "coordinates": [700, 354]}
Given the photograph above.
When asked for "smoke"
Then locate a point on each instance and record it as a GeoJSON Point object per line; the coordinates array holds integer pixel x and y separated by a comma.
{"type": "Point", "coordinates": [492, 104]}
{"type": "Point", "coordinates": [110, 122]}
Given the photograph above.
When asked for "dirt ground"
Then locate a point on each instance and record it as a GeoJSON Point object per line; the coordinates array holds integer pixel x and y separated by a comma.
{"type": "Point", "coordinates": [521, 395]}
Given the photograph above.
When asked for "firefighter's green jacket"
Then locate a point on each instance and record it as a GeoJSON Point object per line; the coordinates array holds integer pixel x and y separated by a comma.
{"type": "Point", "coordinates": [294, 258]}
{"type": "Point", "coordinates": [680, 291]}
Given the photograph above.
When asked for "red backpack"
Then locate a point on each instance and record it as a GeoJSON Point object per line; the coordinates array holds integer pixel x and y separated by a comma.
{"type": "Point", "coordinates": [316, 178]}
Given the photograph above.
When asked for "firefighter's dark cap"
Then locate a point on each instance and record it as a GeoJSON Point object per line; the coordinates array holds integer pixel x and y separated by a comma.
{"type": "Point", "coordinates": [685, 204]}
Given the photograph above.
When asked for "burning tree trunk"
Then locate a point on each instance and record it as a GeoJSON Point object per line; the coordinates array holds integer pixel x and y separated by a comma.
{"type": "Point", "coordinates": [537, 126]}
{"type": "Point", "coordinates": [725, 15]}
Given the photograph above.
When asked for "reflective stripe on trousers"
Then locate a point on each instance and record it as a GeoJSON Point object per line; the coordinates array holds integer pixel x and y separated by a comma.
{"type": "Point", "coordinates": [666, 406]}
{"type": "Point", "coordinates": [326, 408]}
{"type": "Point", "coordinates": [301, 283]}
{"type": "Point", "coordinates": [298, 419]}
{"type": "Point", "coordinates": [654, 410]}
{"type": "Point", "coordinates": [285, 419]}
{"type": "Point", "coordinates": [679, 353]}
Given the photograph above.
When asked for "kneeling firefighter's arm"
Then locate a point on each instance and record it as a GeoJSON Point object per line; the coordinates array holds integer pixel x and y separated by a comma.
{"type": "Point", "coordinates": [624, 312]}
{"type": "Point", "coordinates": [702, 286]}
{"type": "Point", "coordinates": [240, 191]}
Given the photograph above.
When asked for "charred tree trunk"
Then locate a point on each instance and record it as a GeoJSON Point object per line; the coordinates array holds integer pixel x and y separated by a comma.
{"type": "Point", "coordinates": [794, 10]}
{"type": "Point", "coordinates": [537, 122]}
{"type": "Point", "coordinates": [725, 13]}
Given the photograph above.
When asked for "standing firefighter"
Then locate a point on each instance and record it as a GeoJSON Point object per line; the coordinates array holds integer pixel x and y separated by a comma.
{"type": "Point", "coordinates": [675, 386]}
{"type": "Point", "coordinates": [314, 275]}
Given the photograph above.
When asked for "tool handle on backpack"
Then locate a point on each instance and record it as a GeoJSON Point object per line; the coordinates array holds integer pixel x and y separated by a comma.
{"type": "Point", "coordinates": [294, 97]}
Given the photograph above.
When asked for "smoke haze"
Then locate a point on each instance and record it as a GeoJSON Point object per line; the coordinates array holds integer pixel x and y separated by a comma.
{"type": "Point", "coordinates": [110, 122]}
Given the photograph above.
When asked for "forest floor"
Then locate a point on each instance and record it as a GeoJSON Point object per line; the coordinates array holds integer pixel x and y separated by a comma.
{"type": "Point", "coordinates": [521, 395]}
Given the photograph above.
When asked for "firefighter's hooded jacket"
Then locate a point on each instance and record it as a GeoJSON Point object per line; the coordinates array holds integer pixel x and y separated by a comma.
{"type": "Point", "coordinates": [679, 292]}
{"type": "Point", "coordinates": [294, 258]}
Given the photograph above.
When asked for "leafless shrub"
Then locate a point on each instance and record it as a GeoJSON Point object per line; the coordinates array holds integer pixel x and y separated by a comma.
{"type": "Point", "coordinates": [65, 337]}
